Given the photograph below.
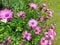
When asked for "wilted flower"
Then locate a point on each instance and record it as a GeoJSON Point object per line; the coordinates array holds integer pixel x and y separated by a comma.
{"type": "Point", "coordinates": [6, 14]}
{"type": "Point", "coordinates": [52, 26]}
{"type": "Point", "coordinates": [38, 13]}
{"type": "Point", "coordinates": [21, 43]}
{"type": "Point", "coordinates": [46, 18]}
{"type": "Point", "coordinates": [43, 26]}
{"type": "Point", "coordinates": [21, 14]}
{"type": "Point", "coordinates": [50, 13]}
{"type": "Point", "coordinates": [8, 39]}
{"type": "Point", "coordinates": [27, 35]}
{"type": "Point", "coordinates": [33, 5]}
{"type": "Point", "coordinates": [4, 20]}
{"type": "Point", "coordinates": [46, 10]}
{"type": "Point", "coordinates": [32, 23]}
{"type": "Point", "coordinates": [42, 6]}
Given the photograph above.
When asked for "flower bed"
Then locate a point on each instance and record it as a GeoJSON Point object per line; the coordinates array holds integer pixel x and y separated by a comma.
{"type": "Point", "coordinates": [27, 27]}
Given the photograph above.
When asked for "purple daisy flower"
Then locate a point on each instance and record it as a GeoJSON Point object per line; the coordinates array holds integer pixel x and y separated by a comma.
{"type": "Point", "coordinates": [21, 14]}
{"type": "Point", "coordinates": [32, 23]}
{"type": "Point", "coordinates": [6, 14]}
{"type": "Point", "coordinates": [33, 5]}
{"type": "Point", "coordinates": [37, 30]}
{"type": "Point", "coordinates": [27, 35]}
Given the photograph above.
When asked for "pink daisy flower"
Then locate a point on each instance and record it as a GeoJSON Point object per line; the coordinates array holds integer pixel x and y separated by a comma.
{"type": "Point", "coordinates": [6, 13]}
{"type": "Point", "coordinates": [37, 30]}
{"type": "Point", "coordinates": [51, 32]}
{"type": "Point", "coordinates": [21, 14]}
{"type": "Point", "coordinates": [27, 35]}
{"type": "Point", "coordinates": [8, 39]}
{"type": "Point", "coordinates": [41, 18]}
{"type": "Point", "coordinates": [32, 23]}
{"type": "Point", "coordinates": [43, 41]}
{"type": "Point", "coordinates": [21, 43]}
{"type": "Point", "coordinates": [33, 5]}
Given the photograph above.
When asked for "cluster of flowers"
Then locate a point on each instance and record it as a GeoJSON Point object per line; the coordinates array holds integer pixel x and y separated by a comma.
{"type": "Point", "coordinates": [48, 36]}
{"type": "Point", "coordinates": [6, 14]}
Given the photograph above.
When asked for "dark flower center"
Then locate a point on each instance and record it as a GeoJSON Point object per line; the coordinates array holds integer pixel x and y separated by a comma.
{"type": "Point", "coordinates": [6, 15]}
{"type": "Point", "coordinates": [36, 30]}
{"type": "Point", "coordinates": [43, 41]}
{"type": "Point", "coordinates": [21, 15]}
{"type": "Point", "coordinates": [32, 23]}
{"type": "Point", "coordinates": [0, 15]}
{"type": "Point", "coordinates": [26, 35]}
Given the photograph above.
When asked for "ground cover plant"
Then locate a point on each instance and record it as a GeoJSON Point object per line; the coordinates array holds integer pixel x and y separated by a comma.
{"type": "Point", "coordinates": [26, 23]}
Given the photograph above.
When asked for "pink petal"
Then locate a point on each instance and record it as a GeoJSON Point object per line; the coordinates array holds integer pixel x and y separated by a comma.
{"type": "Point", "coordinates": [21, 14]}
{"type": "Point", "coordinates": [50, 43]}
{"type": "Point", "coordinates": [41, 18]}
{"type": "Point", "coordinates": [2, 44]}
{"type": "Point", "coordinates": [21, 43]}
{"type": "Point", "coordinates": [52, 37]}
{"type": "Point", "coordinates": [33, 5]}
